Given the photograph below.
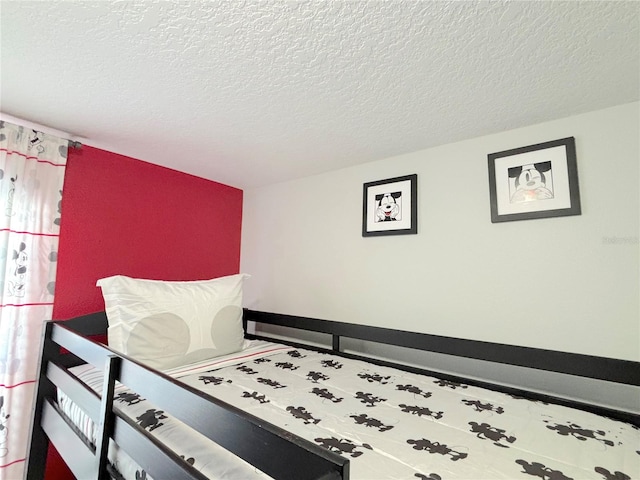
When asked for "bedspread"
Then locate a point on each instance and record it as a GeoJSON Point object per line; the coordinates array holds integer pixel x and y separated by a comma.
{"type": "Point", "coordinates": [397, 425]}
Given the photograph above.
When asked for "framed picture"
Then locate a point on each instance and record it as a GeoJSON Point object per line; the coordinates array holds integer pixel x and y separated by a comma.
{"type": "Point", "coordinates": [536, 181]}
{"type": "Point", "coordinates": [390, 207]}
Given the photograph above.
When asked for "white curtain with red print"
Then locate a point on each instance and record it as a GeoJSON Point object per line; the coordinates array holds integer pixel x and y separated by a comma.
{"type": "Point", "coordinates": [32, 166]}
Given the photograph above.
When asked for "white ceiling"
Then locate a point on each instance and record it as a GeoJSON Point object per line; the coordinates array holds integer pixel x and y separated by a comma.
{"type": "Point", "coordinates": [252, 92]}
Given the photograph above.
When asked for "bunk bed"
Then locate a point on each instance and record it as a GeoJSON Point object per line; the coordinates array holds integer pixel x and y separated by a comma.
{"type": "Point", "coordinates": [603, 443]}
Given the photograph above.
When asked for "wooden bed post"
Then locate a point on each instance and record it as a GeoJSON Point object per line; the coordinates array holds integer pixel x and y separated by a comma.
{"type": "Point", "coordinates": [39, 442]}
{"type": "Point", "coordinates": [105, 427]}
{"type": "Point", "coordinates": [336, 343]}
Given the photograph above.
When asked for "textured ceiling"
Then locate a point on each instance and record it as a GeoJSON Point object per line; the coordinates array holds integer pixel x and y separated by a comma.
{"type": "Point", "coordinates": [253, 92]}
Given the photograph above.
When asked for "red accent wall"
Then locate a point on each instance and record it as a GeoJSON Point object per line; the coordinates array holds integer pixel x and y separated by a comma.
{"type": "Point", "coordinates": [125, 216]}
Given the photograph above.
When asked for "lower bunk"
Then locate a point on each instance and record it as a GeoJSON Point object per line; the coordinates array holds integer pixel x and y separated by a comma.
{"type": "Point", "coordinates": [295, 411]}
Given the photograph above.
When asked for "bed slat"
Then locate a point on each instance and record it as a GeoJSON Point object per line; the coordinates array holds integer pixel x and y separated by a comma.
{"type": "Point", "coordinates": [150, 455]}
{"type": "Point", "coordinates": [89, 351]}
{"type": "Point", "coordinates": [82, 395]}
{"type": "Point", "coordinates": [76, 454]}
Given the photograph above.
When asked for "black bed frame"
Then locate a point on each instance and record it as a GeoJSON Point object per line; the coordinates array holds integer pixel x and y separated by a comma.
{"type": "Point", "coordinates": [271, 449]}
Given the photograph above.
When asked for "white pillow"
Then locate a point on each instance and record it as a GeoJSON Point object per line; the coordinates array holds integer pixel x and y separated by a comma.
{"type": "Point", "coordinates": [170, 324]}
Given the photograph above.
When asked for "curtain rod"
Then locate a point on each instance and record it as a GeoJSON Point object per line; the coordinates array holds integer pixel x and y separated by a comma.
{"type": "Point", "coordinates": [73, 143]}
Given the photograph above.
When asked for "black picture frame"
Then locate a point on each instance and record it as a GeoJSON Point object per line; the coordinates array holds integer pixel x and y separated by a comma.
{"type": "Point", "coordinates": [390, 207]}
{"type": "Point", "coordinates": [536, 181]}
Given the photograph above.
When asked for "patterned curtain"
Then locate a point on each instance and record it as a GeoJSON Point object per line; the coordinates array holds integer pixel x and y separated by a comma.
{"type": "Point", "coordinates": [32, 166]}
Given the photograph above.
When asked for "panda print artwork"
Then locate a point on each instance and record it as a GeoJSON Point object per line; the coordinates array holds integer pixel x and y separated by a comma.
{"type": "Point", "coordinates": [388, 207]}
{"type": "Point", "coordinates": [530, 182]}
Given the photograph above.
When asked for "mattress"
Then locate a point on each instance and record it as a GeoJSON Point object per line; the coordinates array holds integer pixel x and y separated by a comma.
{"type": "Point", "coordinates": [390, 424]}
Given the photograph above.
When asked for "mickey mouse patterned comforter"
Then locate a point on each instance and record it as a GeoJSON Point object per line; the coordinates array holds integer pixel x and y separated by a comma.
{"type": "Point", "coordinates": [390, 424]}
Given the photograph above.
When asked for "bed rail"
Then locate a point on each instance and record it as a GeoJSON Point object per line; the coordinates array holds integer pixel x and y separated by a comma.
{"type": "Point", "coordinates": [600, 368]}
{"type": "Point", "coordinates": [246, 436]}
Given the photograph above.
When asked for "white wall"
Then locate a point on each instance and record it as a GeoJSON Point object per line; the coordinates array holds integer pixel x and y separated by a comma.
{"type": "Point", "coordinates": [566, 283]}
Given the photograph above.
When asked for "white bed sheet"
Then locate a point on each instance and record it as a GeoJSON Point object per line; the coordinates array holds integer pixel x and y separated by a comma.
{"type": "Point", "coordinates": [391, 424]}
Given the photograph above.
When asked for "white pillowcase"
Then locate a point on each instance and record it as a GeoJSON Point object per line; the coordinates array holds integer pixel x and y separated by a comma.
{"type": "Point", "coordinates": [170, 324]}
